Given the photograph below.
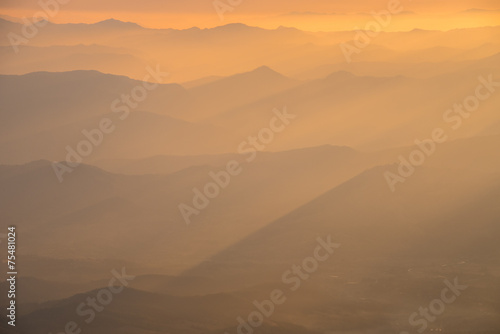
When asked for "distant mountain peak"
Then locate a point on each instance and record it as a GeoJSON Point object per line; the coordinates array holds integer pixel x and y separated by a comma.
{"type": "Point", "coordinates": [418, 30]}
{"type": "Point", "coordinates": [284, 28]}
{"type": "Point", "coordinates": [117, 23]}
{"type": "Point", "coordinates": [344, 75]}
{"type": "Point", "coordinates": [260, 74]}
{"type": "Point", "coordinates": [237, 27]}
{"type": "Point", "coordinates": [265, 69]}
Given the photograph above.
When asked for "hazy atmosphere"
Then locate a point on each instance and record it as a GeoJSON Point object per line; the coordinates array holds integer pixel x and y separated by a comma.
{"type": "Point", "coordinates": [250, 167]}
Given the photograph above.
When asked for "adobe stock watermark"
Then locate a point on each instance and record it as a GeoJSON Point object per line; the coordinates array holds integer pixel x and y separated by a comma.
{"type": "Point", "coordinates": [99, 302]}
{"type": "Point", "coordinates": [95, 137]}
{"type": "Point", "coordinates": [371, 30]}
{"type": "Point", "coordinates": [455, 117]}
{"type": "Point", "coordinates": [293, 278]}
{"type": "Point", "coordinates": [223, 6]}
{"type": "Point", "coordinates": [222, 178]}
{"type": "Point", "coordinates": [30, 28]}
{"type": "Point", "coordinates": [426, 315]}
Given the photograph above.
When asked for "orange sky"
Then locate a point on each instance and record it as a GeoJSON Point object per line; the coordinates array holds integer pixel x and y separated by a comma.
{"type": "Point", "coordinates": [303, 14]}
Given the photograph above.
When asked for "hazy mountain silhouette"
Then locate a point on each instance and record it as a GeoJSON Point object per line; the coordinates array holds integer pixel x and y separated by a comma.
{"type": "Point", "coordinates": [360, 103]}
{"type": "Point", "coordinates": [221, 95]}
